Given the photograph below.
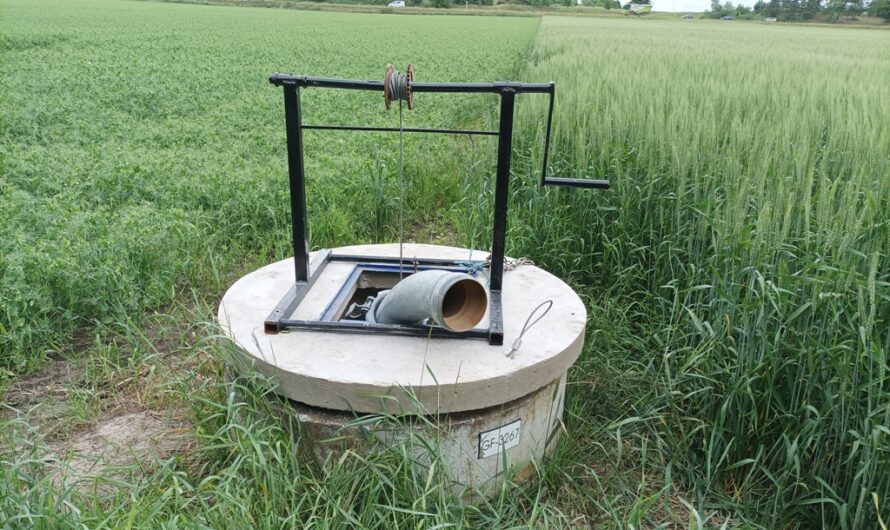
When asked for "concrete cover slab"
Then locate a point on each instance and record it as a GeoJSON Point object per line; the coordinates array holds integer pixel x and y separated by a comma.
{"type": "Point", "coordinates": [373, 373]}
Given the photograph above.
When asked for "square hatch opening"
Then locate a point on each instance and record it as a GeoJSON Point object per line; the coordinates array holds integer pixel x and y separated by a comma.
{"type": "Point", "coordinates": [339, 311]}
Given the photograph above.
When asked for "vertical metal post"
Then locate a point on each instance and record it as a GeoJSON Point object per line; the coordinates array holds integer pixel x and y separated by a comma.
{"type": "Point", "coordinates": [502, 188]}
{"type": "Point", "coordinates": [294, 125]}
{"type": "Point", "coordinates": [499, 231]}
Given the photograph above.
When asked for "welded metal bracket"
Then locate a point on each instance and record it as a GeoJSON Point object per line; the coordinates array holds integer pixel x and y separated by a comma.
{"type": "Point", "coordinates": [507, 91]}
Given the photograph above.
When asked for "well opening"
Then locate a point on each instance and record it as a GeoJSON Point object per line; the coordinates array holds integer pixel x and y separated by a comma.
{"type": "Point", "coordinates": [366, 283]}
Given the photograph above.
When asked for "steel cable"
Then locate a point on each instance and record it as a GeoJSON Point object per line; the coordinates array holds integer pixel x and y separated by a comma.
{"type": "Point", "coordinates": [397, 87]}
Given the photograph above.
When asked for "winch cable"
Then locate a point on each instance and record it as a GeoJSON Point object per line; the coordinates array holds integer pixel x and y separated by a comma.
{"type": "Point", "coordinates": [398, 87]}
{"type": "Point", "coordinates": [401, 194]}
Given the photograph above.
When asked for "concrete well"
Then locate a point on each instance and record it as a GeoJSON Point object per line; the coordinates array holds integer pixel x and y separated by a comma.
{"type": "Point", "coordinates": [493, 414]}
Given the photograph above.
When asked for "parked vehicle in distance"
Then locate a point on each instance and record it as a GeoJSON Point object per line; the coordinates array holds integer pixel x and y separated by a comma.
{"type": "Point", "coordinates": [396, 3]}
{"type": "Point", "coordinates": [639, 10]}
{"type": "Point", "coordinates": [727, 17]}
{"type": "Point", "coordinates": [769, 19]}
{"type": "Point", "coordinates": [687, 17]}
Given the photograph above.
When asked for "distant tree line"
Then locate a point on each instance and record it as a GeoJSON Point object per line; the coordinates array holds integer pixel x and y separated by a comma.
{"type": "Point", "coordinates": [607, 4]}
{"type": "Point", "coordinates": [788, 10]}
{"type": "Point", "coordinates": [799, 10]}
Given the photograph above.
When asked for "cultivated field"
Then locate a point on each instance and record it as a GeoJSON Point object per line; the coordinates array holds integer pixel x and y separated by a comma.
{"type": "Point", "coordinates": [737, 274]}
{"type": "Point", "coordinates": [143, 146]}
{"type": "Point", "coordinates": [745, 245]}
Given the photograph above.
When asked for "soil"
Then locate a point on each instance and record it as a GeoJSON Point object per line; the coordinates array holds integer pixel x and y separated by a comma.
{"type": "Point", "coordinates": [117, 447]}
{"type": "Point", "coordinates": [118, 439]}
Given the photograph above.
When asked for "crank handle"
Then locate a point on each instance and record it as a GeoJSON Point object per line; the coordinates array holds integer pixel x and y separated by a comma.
{"type": "Point", "coordinates": [562, 181]}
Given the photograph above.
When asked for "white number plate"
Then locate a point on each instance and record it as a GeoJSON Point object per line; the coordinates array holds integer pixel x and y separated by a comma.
{"type": "Point", "coordinates": [494, 441]}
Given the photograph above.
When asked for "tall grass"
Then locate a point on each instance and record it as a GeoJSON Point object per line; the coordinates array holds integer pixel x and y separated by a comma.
{"type": "Point", "coordinates": [746, 236]}
{"type": "Point", "coordinates": [736, 276]}
{"type": "Point", "coordinates": [250, 468]}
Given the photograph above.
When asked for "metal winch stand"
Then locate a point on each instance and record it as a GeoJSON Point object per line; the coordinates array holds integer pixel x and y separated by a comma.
{"type": "Point", "coordinates": [306, 273]}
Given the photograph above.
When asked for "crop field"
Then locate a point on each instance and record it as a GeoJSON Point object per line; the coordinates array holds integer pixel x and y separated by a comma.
{"type": "Point", "coordinates": [143, 146]}
{"type": "Point", "coordinates": [737, 275]}
{"type": "Point", "coordinates": [745, 243]}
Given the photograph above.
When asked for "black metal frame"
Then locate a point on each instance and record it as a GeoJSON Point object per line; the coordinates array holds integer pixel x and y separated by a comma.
{"type": "Point", "coordinates": [306, 273]}
{"type": "Point", "coordinates": [339, 305]}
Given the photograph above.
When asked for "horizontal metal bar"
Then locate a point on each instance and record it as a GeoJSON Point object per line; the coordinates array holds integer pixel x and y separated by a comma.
{"type": "Point", "coordinates": [393, 268]}
{"type": "Point", "coordinates": [322, 82]}
{"type": "Point", "coordinates": [357, 326]}
{"type": "Point", "coordinates": [576, 183]}
{"type": "Point", "coordinates": [396, 129]}
{"type": "Point", "coordinates": [355, 84]}
{"type": "Point", "coordinates": [296, 293]}
{"type": "Point", "coordinates": [406, 260]}
{"type": "Point", "coordinates": [347, 289]}
{"type": "Point", "coordinates": [497, 86]}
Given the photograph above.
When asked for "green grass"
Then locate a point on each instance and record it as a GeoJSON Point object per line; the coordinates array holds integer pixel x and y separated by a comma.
{"type": "Point", "coordinates": [143, 150]}
{"type": "Point", "coordinates": [745, 242]}
{"type": "Point", "coordinates": [736, 275]}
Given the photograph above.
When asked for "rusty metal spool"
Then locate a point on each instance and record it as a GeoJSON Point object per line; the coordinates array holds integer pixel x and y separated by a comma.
{"type": "Point", "coordinates": [398, 87]}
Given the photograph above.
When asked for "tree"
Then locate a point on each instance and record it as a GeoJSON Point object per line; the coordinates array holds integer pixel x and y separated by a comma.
{"type": "Point", "coordinates": [790, 10]}
{"type": "Point", "coordinates": [717, 9]}
{"type": "Point", "coordinates": [834, 9]}
{"type": "Point", "coordinates": [810, 8]}
{"type": "Point", "coordinates": [880, 9]}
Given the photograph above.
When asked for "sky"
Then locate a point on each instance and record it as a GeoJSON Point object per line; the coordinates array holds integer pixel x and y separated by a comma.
{"type": "Point", "coordinates": [691, 5]}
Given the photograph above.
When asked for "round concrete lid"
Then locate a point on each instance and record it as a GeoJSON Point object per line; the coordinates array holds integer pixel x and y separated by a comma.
{"type": "Point", "coordinates": [375, 372]}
